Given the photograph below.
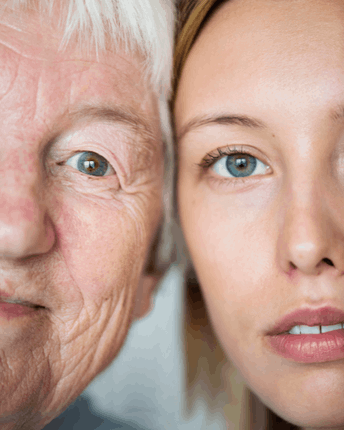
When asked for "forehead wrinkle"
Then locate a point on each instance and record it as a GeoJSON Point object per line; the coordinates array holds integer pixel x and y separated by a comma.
{"type": "Point", "coordinates": [8, 74]}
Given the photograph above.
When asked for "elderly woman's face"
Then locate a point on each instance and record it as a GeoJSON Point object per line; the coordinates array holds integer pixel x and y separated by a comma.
{"type": "Point", "coordinates": [260, 125]}
{"type": "Point", "coordinates": [81, 174]}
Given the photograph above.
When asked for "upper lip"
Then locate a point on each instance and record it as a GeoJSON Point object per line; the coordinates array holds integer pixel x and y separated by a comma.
{"type": "Point", "coordinates": [327, 315]}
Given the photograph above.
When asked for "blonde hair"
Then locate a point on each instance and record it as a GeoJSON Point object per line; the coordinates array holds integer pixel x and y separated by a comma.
{"type": "Point", "coordinates": [209, 374]}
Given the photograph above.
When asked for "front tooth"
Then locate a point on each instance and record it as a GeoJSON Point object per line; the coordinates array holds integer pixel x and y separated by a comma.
{"type": "Point", "coordinates": [295, 330]}
{"type": "Point", "coordinates": [326, 328]}
{"type": "Point", "coordinates": [305, 329]}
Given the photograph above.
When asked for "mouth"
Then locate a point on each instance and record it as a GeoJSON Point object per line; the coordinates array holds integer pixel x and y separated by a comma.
{"type": "Point", "coordinates": [309, 335]}
{"type": "Point", "coordinates": [307, 321]}
{"type": "Point", "coordinates": [317, 329]}
{"type": "Point", "coordinates": [13, 307]}
{"type": "Point", "coordinates": [21, 303]}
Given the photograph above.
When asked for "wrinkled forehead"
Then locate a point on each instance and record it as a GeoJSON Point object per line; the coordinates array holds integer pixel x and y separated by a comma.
{"type": "Point", "coordinates": [34, 24]}
{"type": "Point", "coordinates": [40, 81]}
{"type": "Point", "coordinates": [51, 28]}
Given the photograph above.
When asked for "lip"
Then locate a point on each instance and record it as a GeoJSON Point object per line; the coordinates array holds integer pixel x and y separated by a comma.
{"type": "Point", "coordinates": [322, 316]}
{"type": "Point", "coordinates": [11, 307]}
{"type": "Point", "coordinates": [309, 348]}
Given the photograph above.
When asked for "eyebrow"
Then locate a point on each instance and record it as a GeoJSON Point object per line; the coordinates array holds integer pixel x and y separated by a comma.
{"type": "Point", "coordinates": [240, 120]}
{"type": "Point", "coordinates": [336, 114]}
{"type": "Point", "coordinates": [112, 114]}
{"type": "Point", "coordinates": [144, 142]}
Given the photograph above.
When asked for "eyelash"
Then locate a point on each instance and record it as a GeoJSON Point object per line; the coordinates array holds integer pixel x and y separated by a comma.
{"type": "Point", "coordinates": [212, 157]}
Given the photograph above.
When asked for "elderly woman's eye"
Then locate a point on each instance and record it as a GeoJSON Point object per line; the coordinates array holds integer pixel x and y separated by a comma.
{"type": "Point", "coordinates": [91, 163]}
{"type": "Point", "coordinates": [239, 165]}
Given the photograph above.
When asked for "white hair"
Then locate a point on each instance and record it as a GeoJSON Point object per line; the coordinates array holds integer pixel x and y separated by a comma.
{"type": "Point", "coordinates": [146, 26]}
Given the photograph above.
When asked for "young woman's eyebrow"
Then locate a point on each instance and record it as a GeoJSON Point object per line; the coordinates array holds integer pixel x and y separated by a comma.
{"type": "Point", "coordinates": [241, 120]}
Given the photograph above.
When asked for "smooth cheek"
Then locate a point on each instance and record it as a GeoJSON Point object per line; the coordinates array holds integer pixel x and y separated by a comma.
{"type": "Point", "coordinates": [224, 237]}
{"type": "Point", "coordinates": [230, 237]}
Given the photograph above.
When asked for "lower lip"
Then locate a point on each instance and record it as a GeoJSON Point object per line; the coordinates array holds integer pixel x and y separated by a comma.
{"type": "Point", "coordinates": [13, 310]}
{"type": "Point", "coordinates": [310, 348]}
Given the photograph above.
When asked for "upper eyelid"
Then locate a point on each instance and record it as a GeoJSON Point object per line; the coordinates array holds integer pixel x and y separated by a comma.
{"type": "Point", "coordinates": [126, 158]}
{"type": "Point", "coordinates": [142, 140]}
{"type": "Point", "coordinates": [213, 156]}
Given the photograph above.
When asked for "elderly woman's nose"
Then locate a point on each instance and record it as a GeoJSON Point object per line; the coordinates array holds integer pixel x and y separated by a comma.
{"type": "Point", "coordinates": [311, 237]}
{"type": "Point", "coordinates": [25, 226]}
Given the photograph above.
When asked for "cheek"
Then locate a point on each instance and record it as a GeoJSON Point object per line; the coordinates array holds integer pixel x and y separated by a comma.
{"type": "Point", "coordinates": [230, 249]}
{"type": "Point", "coordinates": [102, 249]}
{"type": "Point", "coordinates": [226, 242]}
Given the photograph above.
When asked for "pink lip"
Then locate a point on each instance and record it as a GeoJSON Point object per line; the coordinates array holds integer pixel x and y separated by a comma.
{"type": "Point", "coordinates": [311, 317]}
{"type": "Point", "coordinates": [309, 348]}
{"type": "Point", "coordinates": [9, 311]}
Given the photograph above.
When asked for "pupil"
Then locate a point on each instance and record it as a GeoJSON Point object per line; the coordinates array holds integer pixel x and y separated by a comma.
{"type": "Point", "coordinates": [91, 165]}
{"type": "Point", "coordinates": [241, 163]}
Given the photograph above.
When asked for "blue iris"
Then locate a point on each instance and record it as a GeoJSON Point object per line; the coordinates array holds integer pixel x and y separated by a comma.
{"type": "Point", "coordinates": [241, 165]}
{"type": "Point", "coordinates": [92, 164]}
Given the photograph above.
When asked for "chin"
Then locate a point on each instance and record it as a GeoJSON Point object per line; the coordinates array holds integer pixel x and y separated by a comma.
{"type": "Point", "coordinates": [312, 418]}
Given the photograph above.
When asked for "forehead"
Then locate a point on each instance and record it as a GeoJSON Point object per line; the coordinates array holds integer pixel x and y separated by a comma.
{"type": "Point", "coordinates": [265, 46]}
{"type": "Point", "coordinates": [267, 20]}
{"type": "Point", "coordinates": [36, 74]}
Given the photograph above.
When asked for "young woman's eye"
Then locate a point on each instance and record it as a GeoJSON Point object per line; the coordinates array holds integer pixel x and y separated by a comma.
{"type": "Point", "coordinates": [91, 163]}
{"type": "Point", "coordinates": [239, 165]}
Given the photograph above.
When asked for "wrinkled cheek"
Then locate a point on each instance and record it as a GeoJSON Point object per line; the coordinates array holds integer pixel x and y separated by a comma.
{"type": "Point", "coordinates": [101, 253]}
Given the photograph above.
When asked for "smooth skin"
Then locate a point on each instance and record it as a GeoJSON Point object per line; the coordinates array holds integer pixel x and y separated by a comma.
{"type": "Point", "coordinates": [72, 242]}
{"type": "Point", "coordinates": [273, 241]}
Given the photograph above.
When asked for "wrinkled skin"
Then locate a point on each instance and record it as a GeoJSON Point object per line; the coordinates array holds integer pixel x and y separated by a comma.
{"type": "Point", "coordinates": [258, 243]}
{"type": "Point", "coordinates": [74, 243]}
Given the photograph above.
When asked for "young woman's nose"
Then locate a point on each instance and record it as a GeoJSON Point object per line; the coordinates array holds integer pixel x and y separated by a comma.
{"type": "Point", "coordinates": [25, 226]}
{"type": "Point", "coordinates": [311, 237]}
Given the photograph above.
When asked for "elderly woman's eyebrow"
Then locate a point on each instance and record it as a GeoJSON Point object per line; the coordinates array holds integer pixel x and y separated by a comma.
{"type": "Point", "coordinates": [200, 121]}
{"type": "Point", "coordinates": [112, 114]}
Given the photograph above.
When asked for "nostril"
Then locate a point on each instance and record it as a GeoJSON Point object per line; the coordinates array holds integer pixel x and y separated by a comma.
{"type": "Point", "coordinates": [328, 261]}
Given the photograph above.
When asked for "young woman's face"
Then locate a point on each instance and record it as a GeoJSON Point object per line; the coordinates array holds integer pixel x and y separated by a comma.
{"type": "Point", "coordinates": [260, 126]}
